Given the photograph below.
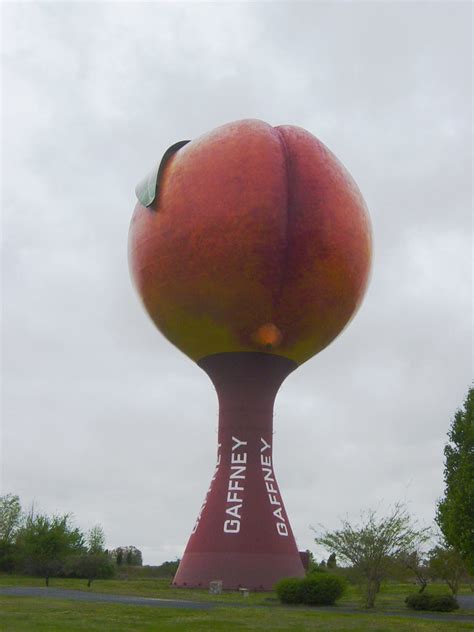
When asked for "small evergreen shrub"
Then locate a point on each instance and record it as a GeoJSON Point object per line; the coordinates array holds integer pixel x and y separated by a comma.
{"type": "Point", "coordinates": [439, 603]}
{"type": "Point", "coordinates": [315, 590]}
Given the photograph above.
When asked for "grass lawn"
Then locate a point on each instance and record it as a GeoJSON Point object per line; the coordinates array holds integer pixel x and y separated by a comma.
{"type": "Point", "coordinates": [25, 614]}
{"type": "Point", "coordinates": [263, 611]}
{"type": "Point", "coordinates": [391, 596]}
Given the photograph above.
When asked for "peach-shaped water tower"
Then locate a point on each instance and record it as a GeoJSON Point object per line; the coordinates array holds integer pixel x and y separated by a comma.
{"type": "Point", "coordinates": [250, 248]}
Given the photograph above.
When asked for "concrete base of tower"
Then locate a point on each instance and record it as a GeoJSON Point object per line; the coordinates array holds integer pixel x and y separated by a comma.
{"type": "Point", "coordinates": [255, 571]}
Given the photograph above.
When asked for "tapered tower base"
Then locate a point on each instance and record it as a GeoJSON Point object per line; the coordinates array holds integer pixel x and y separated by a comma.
{"type": "Point", "coordinates": [242, 535]}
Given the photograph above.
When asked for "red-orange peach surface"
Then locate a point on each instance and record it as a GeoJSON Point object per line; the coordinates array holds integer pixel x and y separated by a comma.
{"type": "Point", "coordinates": [259, 240]}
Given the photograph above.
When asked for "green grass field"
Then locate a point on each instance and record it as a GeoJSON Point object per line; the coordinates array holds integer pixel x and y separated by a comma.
{"type": "Point", "coordinates": [262, 611]}
{"type": "Point", "coordinates": [24, 614]}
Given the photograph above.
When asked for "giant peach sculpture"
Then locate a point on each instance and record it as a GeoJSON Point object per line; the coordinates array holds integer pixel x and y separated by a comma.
{"type": "Point", "coordinates": [250, 248]}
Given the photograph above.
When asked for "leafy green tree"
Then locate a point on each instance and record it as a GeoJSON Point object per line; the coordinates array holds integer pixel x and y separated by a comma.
{"type": "Point", "coordinates": [94, 563]}
{"type": "Point", "coordinates": [96, 540]}
{"type": "Point", "coordinates": [45, 543]}
{"type": "Point", "coordinates": [416, 563]}
{"type": "Point", "coordinates": [129, 555]}
{"type": "Point", "coordinates": [11, 518]}
{"type": "Point", "coordinates": [134, 556]}
{"type": "Point", "coordinates": [446, 563]}
{"type": "Point", "coordinates": [332, 561]}
{"type": "Point", "coordinates": [168, 569]}
{"type": "Point", "coordinates": [373, 547]}
{"type": "Point", "coordinates": [455, 512]}
{"type": "Point", "coordinates": [90, 566]}
{"type": "Point", "coordinates": [312, 564]}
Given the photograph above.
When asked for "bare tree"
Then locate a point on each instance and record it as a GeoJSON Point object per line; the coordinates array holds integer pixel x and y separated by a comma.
{"type": "Point", "coordinates": [374, 546]}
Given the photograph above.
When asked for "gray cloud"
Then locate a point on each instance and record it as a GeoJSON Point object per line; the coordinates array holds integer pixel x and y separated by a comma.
{"type": "Point", "coordinates": [101, 415]}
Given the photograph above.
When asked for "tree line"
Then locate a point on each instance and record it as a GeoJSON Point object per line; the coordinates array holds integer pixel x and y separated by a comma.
{"type": "Point", "coordinates": [51, 546]}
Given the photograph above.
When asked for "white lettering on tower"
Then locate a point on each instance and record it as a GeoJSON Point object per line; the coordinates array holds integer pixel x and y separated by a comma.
{"type": "Point", "coordinates": [272, 489]}
{"type": "Point", "coordinates": [235, 501]}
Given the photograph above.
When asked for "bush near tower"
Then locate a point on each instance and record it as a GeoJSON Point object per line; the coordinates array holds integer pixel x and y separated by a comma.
{"type": "Point", "coordinates": [320, 589]}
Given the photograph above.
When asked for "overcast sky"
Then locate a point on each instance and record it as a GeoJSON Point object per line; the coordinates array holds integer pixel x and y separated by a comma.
{"type": "Point", "coordinates": [102, 416]}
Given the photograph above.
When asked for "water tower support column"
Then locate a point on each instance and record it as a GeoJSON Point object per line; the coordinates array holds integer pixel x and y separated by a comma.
{"type": "Point", "coordinates": [242, 535]}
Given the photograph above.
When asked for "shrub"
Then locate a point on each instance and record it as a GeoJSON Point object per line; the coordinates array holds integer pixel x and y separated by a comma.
{"type": "Point", "coordinates": [316, 590]}
{"type": "Point", "coordinates": [290, 590]}
{"type": "Point", "coordinates": [315, 570]}
{"type": "Point", "coordinates": [444, 603]}
{"type": "Point", "coordinates": [322, 589]}
{"type": "Point", "coordinates": [440, 603]}
{"type": "Point", "coordinates": [8, 557]}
